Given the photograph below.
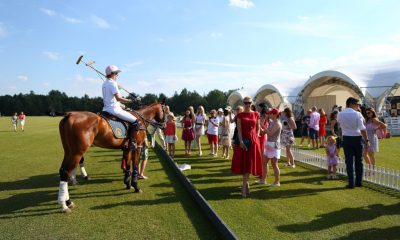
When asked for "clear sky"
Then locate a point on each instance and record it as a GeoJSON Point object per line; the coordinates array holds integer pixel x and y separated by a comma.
{"type": "Point", "coordinates": [167, 45]}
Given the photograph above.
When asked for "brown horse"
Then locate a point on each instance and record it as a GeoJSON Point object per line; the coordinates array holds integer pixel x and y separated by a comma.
{"type": "Point", "coordinates": [79, 130]}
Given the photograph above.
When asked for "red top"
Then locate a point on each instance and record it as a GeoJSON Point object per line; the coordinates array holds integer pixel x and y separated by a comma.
{"type": "Point", "coordinates": [170, 129]}
{"type": "Point", "coordinates": [21, 116]}
{"type": "Point", "coordinates": [322, 123]}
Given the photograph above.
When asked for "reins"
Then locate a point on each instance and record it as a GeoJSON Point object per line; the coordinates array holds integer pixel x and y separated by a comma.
{"type": "Point", "coordinates": [152, 123]}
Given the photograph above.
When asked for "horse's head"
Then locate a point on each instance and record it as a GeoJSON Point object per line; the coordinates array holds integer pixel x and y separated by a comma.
{"type": "Point", "coordinates": [154, 111]}
{"type": "Point", "coordinates": [159, 112]}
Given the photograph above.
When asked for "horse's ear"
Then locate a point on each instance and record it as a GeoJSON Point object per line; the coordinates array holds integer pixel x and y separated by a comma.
{"type": "Point", "coordinates": [163, 101]}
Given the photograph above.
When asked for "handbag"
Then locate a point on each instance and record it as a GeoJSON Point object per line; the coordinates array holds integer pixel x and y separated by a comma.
{"type": "Point", "coordinates": [235, 137]}
{"type": "Point", "coordinates": [247, 142]}
{"type": "Point", "coordinates": [382, 133]}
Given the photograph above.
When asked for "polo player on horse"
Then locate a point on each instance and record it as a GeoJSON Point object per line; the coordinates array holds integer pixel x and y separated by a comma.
{"type": "Point", "coordinates": [112, 105]}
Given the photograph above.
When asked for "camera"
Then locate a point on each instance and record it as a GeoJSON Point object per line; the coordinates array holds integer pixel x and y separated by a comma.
{"type": "Point", "coordinates": [285, 123]}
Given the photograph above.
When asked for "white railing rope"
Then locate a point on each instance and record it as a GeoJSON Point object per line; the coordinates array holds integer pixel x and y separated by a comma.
{"type": "Point", "coordinates": [388, 178]}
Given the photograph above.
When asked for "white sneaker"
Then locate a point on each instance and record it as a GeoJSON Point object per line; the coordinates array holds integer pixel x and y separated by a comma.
{"type": "Point", "coordinates": [275, 185]}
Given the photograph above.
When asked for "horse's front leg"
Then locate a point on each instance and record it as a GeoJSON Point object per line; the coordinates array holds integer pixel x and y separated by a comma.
{"type": "Point", "coordinates": [135, 161]}
{"type": "Point", "coordinates": [128, 158]}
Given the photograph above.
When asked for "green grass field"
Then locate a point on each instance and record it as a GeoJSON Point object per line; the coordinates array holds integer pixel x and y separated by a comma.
{"type": "Point", "coordinates": [306, 206]}
{"type": "Point", "coordinates": [105, 210]}
{"type": "Point", "coordinates": [388, 155]}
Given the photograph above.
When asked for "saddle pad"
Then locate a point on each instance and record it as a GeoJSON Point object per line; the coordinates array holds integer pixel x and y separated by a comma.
{"type": "Point", "coordinates": [118, 128]}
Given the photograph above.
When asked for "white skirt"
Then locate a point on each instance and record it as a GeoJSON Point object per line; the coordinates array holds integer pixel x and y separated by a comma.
{"type": "Point", "coordinates": [270, 151]}
{"type": "Point", "coordinates": [170, 139]}
{"type": "Point", "coordinates": [199, 130]}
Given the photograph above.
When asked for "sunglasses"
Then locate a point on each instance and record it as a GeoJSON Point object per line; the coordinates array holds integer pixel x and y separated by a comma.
{"type": "Point", "coordinates": [368, 112]}
{"type": "Point", "coordinates": [247, 103]}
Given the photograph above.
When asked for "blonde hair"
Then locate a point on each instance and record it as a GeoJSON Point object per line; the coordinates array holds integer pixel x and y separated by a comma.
{"type": "Point", "coordinates": [200, 110]}
{"type": "Point", "coordinates": [247, 99]}
{"type": "Point", "coordinates": [331, 138]}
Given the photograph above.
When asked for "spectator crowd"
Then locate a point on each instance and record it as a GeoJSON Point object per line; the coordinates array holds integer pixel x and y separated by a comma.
{"type": "Point", "coordinates": [257, 134]}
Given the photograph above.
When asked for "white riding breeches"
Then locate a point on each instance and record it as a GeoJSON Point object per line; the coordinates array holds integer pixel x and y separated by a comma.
{"type": "Point", "coordinates": [124, 115]}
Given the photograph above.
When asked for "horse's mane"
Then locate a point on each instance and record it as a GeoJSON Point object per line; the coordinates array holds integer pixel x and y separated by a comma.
{"type": "Point", "coordinates": [141, 110]}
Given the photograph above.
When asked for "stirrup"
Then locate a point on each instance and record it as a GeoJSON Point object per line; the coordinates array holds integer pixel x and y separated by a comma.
{"type": "Point", "coordinates": [132, 145]}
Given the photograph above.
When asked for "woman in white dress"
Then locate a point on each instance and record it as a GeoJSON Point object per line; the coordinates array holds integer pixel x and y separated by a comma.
{"type": "Point", "coordinates": [200, 120]}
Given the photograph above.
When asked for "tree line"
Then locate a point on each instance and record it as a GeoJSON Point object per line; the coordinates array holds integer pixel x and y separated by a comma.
{"type": "Point", "coordinates": [57, 102]}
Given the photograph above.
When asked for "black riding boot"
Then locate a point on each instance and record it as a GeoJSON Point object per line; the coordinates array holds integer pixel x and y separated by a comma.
{"type": "Point", "coordinates": [132, 133]}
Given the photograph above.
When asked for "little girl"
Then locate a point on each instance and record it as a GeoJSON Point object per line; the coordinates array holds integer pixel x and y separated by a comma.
{"type": "Point", "coordinates": [212, 133]}
{"type": "Point", "coordinates": [170, 134]}
{"type": "Point", "coordinates": [332, 159]}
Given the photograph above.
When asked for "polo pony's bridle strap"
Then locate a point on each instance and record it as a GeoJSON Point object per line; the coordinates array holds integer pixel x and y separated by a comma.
{"type": "Point", "coordinates": [152, 123]}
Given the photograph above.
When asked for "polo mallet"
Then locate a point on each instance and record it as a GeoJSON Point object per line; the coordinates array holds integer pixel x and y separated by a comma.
{"type": "Point", "coordinates": [102, 76]}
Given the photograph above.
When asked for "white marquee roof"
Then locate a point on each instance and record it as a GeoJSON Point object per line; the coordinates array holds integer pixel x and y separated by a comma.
{"type": "Point", "coordinates": [372, 81]}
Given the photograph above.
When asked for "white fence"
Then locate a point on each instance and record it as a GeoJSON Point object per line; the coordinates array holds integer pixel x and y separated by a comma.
{"type": "Point", "coordinates": [388, 178]}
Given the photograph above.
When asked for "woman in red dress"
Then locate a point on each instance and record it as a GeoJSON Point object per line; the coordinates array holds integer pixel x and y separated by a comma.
{"type": "Point", "coordinates": [188, 133]}
{"type": "Point", "coordinates": [323, 120]}
{"type": "Point", "coordinates": [247, 155]}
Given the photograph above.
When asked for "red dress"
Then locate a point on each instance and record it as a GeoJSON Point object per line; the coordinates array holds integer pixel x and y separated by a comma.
{"type": "Point", "coordinates": [187, 133]}
{"type": "Point", "coordinates": [322, 125]}
{"type": "Point", "coordinates": [249, 161]}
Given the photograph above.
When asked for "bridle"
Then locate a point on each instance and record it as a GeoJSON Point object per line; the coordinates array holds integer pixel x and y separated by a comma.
{"type": "Point", "coordinates": [160, 125]}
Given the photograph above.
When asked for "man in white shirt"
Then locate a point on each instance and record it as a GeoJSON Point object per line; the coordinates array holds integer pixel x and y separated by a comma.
{"type": "Point", "coordinates": [314, 127]}
{"type": "Point", "coordinates": [112, 99]}
{"type": "Point", "coordinates": [353, 128]}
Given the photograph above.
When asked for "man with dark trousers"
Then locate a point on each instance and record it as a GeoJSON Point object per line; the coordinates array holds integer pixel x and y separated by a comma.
{"type": "Point", "coordinates": [353, 131]}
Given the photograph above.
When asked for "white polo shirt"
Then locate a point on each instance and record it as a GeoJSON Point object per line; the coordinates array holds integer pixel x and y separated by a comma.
{"type": "Point", "coordinates": [110, 88]}
{"type": "Point", "coordinates": [351, 122]}
{"type": "Point", "coordinates": [213, 124]}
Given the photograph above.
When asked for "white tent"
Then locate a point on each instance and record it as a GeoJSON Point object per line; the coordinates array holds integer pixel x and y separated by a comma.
{"type": "Point", "coordinates": [271, 96]}
{"type": "Point", "coordinates": [373, 84]}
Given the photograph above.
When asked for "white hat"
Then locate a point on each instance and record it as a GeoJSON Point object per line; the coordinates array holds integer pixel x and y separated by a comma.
{"type": "Point", "coordinates": [112, 69]}
{"type": "Point", "coordinates": [220, 110]}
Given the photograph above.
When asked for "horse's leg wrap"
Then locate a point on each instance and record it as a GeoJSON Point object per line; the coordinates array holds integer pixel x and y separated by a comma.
{"type": "Point", "coordinates": [123, 164]}
{"type": "Point", "coordinates": [72, 178]}
{"type": "Point", "coordinates": [83, 170]}
{"type": "Point", "coordinates": [63, 197]}
{"type": "Point", "coordinates": [135, 180]}
{"type": "Point", "coordinates": [127, 178]}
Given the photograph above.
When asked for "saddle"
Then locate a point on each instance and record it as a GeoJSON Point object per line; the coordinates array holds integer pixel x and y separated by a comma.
{"type": "Point", "coordinates": [119, 127]}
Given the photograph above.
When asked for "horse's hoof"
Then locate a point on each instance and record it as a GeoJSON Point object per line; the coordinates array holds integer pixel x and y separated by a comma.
{"type": "Point", "coordinates": [71, 205]}
{"type": "Point", "coordinates": [87, 178]}
{"type": "Point", "coordinates": [129, 187]}
{"type": "Point", "coordinates": [66, 211]}
{"type": "Point", "coordinates": [138, 191]}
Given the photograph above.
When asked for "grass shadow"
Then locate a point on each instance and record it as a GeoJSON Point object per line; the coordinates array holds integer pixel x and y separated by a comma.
{"type": "Point", "coordinates": [343, 216]}
{"type": "Point", "coordinates": [374, 233]}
